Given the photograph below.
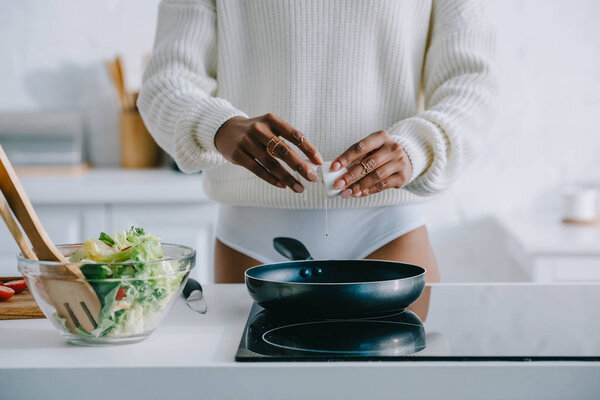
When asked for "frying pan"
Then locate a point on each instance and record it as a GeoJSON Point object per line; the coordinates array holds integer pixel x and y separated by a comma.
{"type": "Point", "coordinates": [333, 288]}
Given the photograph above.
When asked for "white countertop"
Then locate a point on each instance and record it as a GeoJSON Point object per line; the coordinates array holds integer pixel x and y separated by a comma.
{"type": "Point", "coordinates": [546, 235]}
{"type": "Point", "coordinates": [192, 356]}
{"type": "Point", "coordinates": [103, 186]}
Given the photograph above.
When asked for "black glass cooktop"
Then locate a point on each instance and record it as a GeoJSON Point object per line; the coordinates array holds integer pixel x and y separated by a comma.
{"type": "Point", "coordinates": [518, 322]}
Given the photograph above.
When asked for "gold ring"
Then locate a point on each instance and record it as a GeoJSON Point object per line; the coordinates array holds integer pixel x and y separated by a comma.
{"type": "Point", "coordinates": [366, 171]}
{"type": "Point", "coordinates": [301, 140]}
{"type": "Point", "coordinates": [269, 144]}
{"type": "Point", "coordinates": [274, 146]}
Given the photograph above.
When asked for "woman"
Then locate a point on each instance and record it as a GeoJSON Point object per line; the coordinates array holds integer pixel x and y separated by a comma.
{"type": "Point", "coordinates": [248, 91]}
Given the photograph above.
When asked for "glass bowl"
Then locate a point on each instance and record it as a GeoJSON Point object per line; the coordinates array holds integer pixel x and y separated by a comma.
{"type": "Point", "coordinates": [134, 295]}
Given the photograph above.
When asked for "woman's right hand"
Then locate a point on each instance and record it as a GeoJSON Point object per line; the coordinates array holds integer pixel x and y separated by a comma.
{"type": "Point", "coordinates": [255, 144]}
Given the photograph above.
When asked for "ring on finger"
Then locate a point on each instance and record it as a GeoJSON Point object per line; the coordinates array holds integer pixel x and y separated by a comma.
{"type": "Point", "coordinates": [269, 144]}
{"type": "Point", "coordinates": [269, 150]}
{"type": "Point", "coordinates": [301, 140]}
{"type": "Point", "coordinates": [275, 145]}
{"type": "Point", "coordinates": [366, 169]}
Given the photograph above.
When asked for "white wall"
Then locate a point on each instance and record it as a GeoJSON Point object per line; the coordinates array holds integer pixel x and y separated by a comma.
{"type": "Point", "coordinates": [547, 128]}
{"type": "Point", "coordinates": [52, 51]}
{"type": "Point", "coordinates": [546, 132]}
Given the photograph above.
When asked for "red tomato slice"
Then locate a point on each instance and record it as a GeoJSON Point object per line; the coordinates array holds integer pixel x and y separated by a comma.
{"type": "Point", "coordinates": [121, 293]}
{"type": "Point", "coordinates": [1, 283]}
{"type": "Point", "coordinates": [18, 285]}
{"type": "Point", "coordinates": [6, 293]}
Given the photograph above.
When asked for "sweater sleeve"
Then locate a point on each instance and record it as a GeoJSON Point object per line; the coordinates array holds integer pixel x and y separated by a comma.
{"type": "Point", "coordinates": [177, 100]}
{"type": "Point", "coordinates": [459, 91]}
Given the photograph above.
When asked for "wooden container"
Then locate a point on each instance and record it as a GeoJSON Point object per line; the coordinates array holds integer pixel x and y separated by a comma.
{"type": "Point", "coordinates": [138, 148]}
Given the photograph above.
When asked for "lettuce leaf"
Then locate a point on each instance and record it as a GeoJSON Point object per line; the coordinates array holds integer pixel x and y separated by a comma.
{"type": "Point", "coordinates": [146, 285]}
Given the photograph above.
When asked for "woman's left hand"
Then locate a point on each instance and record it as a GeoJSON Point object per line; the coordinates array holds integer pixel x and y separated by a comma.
{"type": "Point", "coordinates": [374, 164]}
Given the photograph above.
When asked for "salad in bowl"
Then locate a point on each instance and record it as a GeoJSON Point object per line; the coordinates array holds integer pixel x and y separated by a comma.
{"type": "Point", "coordinates": [135, 276]}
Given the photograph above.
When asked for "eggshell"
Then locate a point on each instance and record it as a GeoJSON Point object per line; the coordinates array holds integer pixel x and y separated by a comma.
{"type": "Point", "coordinates": [328, 178]}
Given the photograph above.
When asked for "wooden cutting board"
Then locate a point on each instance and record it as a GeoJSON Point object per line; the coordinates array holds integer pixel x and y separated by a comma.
{"type": "Point", "coordinates": [20, 306]}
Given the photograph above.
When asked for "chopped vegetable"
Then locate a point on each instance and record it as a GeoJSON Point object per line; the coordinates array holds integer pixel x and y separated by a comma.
{"type": "Point", "coordinates": [6, 293]}
{"type": "Point", "coordinates": [121, 293]}
{"type": "Point", "coordinates": [135, 292]}
{"type": "Point", "coordinates": [106, 239]}
{"type": "Point", "coordinates": [18, 285]}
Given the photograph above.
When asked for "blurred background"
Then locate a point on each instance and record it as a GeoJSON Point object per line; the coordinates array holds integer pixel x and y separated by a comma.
{"type": "Point", "coordinates": [503, 221]}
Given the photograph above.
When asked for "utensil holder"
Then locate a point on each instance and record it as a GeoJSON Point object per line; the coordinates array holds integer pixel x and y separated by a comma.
{"type": "Point", "coordinates": [138, 148]}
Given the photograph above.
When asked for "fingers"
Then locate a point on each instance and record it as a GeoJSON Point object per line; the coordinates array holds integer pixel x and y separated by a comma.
{"type": "Point", "coordinates": [245, 160]}
{"type": "Point", "coordinates": [359, 150]}
{"type": "Point", "coordinates": [262, 135]}
{"type": "Point", "coordinates": [295, 162]}
{"type": "Point", "coordinates": [399, 177]}
{"type": "Point", "coordinates": [254, 143]}
{"type": "Point", "coordinates": [397, 180]}
{"type": "Point", "coordinates": [274, 167]}
{"type": "Point", "coordinates": [370, 180]}
{"type": "Point", "coordinates": [285, 130]}
{"type": "Point", "coordinates": [368, 164]}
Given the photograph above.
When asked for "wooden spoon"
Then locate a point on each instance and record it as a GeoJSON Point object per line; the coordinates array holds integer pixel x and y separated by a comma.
{"type": "Point", "coordinates": [74, 298]}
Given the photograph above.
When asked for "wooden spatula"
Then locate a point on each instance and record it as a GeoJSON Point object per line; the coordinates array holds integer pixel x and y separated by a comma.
{"type": "Point", "coordinates": [15, 230]}
{"type": "Point", "coordinates": [74, 299]}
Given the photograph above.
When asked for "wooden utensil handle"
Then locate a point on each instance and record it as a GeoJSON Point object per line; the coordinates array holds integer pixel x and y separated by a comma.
{"type": "Point", "coordinates": [15, 230]}
{"type": "Point", "coordinates": [19, 203]}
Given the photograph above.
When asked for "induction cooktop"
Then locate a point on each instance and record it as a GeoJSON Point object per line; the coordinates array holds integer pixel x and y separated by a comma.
{"type": "Point", "coordinates": [271, 336]}
{"type": "Point", "coordinates": [503, 323]}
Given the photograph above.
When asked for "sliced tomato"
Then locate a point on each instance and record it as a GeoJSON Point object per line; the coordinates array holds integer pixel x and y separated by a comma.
{"type": "Point", "coordinates": [18, 285]}
{"type": "Point", "coordinates": [121, 293]}
{"type": "Point", "coordinates": [6, 293]}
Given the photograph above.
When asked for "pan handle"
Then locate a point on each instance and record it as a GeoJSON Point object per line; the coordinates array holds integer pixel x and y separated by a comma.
{"type": "Point", "coordinates": [291, 249]}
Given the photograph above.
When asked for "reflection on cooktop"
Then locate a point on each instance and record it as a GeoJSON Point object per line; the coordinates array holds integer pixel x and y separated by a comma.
{"type": "Point", "coordinates": [273, 337]}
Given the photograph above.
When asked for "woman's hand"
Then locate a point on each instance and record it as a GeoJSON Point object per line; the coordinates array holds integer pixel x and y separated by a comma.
{"type": "Point", "coordinates": [255, 143]}
{"type": "Point", "coordinates": [374, 164]}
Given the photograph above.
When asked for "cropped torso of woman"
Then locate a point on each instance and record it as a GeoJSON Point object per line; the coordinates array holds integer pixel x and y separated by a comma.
{"type": "Point", "coordinates": [248, 91]}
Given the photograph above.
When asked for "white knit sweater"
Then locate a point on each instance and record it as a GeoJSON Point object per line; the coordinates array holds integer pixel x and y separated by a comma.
{"type": "Point", "coordinates": [337, 70]}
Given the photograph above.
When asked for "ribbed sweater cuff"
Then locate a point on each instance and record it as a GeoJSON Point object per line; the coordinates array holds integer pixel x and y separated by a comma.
{"type": "Point", "coordinates": [195, 132]}
{"type": "Point", "coordinates": [409, 134]}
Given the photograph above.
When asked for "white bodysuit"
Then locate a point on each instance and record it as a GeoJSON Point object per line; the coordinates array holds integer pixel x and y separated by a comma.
{"type": "Point", "coordinates": [352, 233]}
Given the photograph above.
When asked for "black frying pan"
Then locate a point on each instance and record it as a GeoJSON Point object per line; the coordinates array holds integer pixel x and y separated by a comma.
{"type": "Point", "coordinates": [333, 288]}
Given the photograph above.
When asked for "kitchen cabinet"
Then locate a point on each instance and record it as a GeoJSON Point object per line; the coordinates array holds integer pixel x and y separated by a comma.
{"type": "Point", "coordinates": [168, 204]}
{"type": "Point", "coordinates": [551, 251]}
